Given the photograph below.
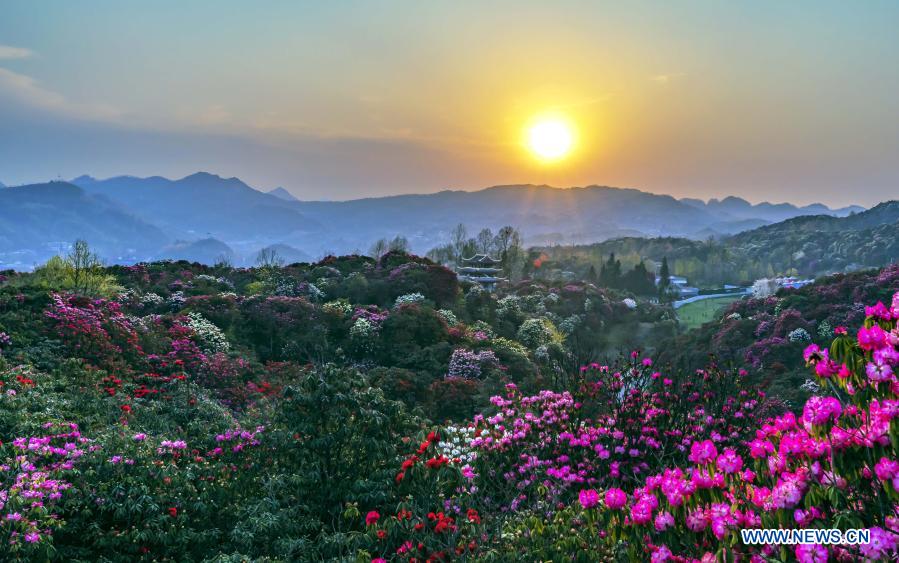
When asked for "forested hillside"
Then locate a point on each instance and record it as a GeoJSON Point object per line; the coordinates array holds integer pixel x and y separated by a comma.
{"type": "Point", "coordinates": [804, 246]}
{"type": "Point", "coordinates": [375, 410]}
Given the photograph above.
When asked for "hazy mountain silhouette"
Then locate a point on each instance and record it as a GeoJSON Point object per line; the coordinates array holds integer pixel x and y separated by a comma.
{"type": "Point", "coordinates": [821, 244]}
{"type": "Point", "coordinates": [205, 251]}
{"type": "Point", "coordinates": [281, 193]}
{"type": "Point", "coordinates": [202, 204]}
{"type": "Point", "coordinates": [127, 216]}
{"type": "Point", "coordinates": [773, 212]}
{"type": "Point", "coordinates": [36, 221]}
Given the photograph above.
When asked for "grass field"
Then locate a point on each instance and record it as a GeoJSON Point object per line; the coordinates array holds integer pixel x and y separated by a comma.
{"type": "Point", "coordinates": [694, 314]}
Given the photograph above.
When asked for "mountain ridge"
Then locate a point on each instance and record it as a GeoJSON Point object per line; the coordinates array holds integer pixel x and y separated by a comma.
{"type": "Point", "coordinates": [203, 206]}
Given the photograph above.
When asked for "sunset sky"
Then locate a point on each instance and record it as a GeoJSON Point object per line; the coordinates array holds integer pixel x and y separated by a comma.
{"type": "Point", "coordinates": [795, 101]}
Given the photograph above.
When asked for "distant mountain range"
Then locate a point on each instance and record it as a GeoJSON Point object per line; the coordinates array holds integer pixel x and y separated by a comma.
{"type": "Point", "coordinates": [202, 215]}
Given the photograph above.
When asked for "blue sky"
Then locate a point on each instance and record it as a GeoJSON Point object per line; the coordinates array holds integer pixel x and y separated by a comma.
{"type": "Point", "coordinates": [767, 100]}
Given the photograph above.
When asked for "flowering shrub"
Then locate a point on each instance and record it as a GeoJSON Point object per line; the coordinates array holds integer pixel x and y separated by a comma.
{"type": "Point", "coordinates": [32, 482]}
{"type": "Point", "coordinates": [210, 337]}
{"type": "Point", "coordinates": [468, 364]}
{"type": "Point", "coordinates": [409, 299]}
{"type": "Point", "coordinates": [273, 451]}
{"type": "Point", "coordinates": [449, 317]}
{"type": "Point", "coordinates": [799, 335]}
{"type": "Point", "coordinates": [94, 330]}
{"type": "Point", "coordinates": [537, 332]}
{"type": "Point", "coordinates": [363, 334]}
{"type": "Point", "coordinates": [638, 464]}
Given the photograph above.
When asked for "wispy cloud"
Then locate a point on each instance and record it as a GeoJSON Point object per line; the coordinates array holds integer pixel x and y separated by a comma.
{"type": "Point", "coordinates": [666, 79]}
{"type": "Point", "coordinates": [26, 91]}
{"type": "Point", "coordinates": [9, 52]}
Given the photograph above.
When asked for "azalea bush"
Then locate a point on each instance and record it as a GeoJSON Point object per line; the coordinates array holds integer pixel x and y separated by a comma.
{"type": "Point", "coordinates": [637, 465]}
{"type": "Point", "coordinates": [208, 414]}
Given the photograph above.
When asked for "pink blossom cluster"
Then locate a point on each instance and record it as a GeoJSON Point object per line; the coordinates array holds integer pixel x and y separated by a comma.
{"type": "Point", "coordinates": [37, 472]}
{"type": "Point", "coordinates": [837, 456]}
{"type": "Point", "coordinates": [237, 439]}
{"type": "Point", "coordinates": [611, 430]}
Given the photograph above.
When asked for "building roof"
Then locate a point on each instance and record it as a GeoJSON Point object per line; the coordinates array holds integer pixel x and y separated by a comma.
{"type": "Point", "coordinates": [481, 259]}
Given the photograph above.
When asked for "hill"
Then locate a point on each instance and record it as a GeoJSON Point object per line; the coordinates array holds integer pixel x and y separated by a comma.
{"type": "Point", "coordinates": [281, 193]}
{"type": "Point", "coordinates": [822, 244]}
{"type": "Point", "coordinates": [805, 246]}
{"type": "Point", "coordinates": [739, 208]}
{"type": "Point", "coordinates": [203, 204]}
{"type": "Point", "coordinates": [228, 209]}
{"type": "Point", "coordinates": [35, 221]}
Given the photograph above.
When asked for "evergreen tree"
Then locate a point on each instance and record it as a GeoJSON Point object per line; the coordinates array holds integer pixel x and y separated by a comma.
{"type": "Point", "coordinates": [664, 278]}
{"type": "Point", "coordinates": [610, 274]}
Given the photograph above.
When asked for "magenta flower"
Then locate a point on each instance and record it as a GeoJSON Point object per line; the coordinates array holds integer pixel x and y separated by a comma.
{"type": "Point", "coordinates": [811, 553]}
{"type": "Point", "coordinates": [882, 544]}
{"type": "Point", "coordinates": [886, 469]}
{"type": "Point", "coordinates": [878, 372]}
{"type": "Point", "coordinates": [615, 498]}
{"type": "Point", "coordinates": [872, 338]}
{"type": "Point", "coordinates": [32, 537]}
{"type": "Point", "coordinates": [813, 353]}
{"type": "Point", "coordinates": [588, 498]}
{"type": "Point", "coordinates": [878, 311]}
{"type": "Point", "coordinates": [703, 452]}
{"type": "Point", "coordinates": [729, 461]}
{"type": "Point", "coordinates": [663, 521]}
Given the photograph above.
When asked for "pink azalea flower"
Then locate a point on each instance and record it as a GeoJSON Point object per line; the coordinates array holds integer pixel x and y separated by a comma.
{"type": "Point", "coordinates": [811, 553]}
{"type": "Point", "coordinates": [663, 521]}
{"type": "Point", "coordinates": [615, 498]}
{"type": "Point", "coordinates": [729, 461]}
{"type": "Point", "coordinates": [703, 452]}
{"type": "Point", "coordinates": [872, 338]}
{"type": "Point", "coordinates": [588, 498]}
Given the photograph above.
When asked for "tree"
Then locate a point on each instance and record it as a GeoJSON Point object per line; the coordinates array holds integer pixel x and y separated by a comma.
{"type": "Point", "coordinates": [379, 248]}
{"type": "Point", "coordinates": [268, 258]}
{"type": "Point", "coordinates": [81, 272]}
{"type": "Point", "coordinates": [458, 239]}
{"type": "Point", "coordinates": [399, 243]}
{"type": "Point", "coordinates": [764, 287]}
{"type": "Point", "coordinates": [85, 264]}
{"type": "Point", "coordinates": [485, 241]}
{"type": "Point", "coordinates": [610, 273]}
{"type": "Point", "coordinates": [508, 243]}
{"type": "Point", "coordinates": [639, 280]}
{"type": "Point", "coordinates": [664, 278]}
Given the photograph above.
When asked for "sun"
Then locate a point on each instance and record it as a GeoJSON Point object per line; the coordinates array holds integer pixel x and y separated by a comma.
{"type": "Point", "coordinates": [550, 139]}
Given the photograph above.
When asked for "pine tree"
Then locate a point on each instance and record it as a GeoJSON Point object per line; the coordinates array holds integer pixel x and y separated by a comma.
{"type": "Point", "coordinates": [664, 274]}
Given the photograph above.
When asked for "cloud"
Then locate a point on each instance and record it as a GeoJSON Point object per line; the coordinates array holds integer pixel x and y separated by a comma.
{"type": "Point", "coordinates": [665, 79]}
{"type": "Point", "coordinates": [28, 92]}
{"type": "Point", "coordinates": [9, 52]}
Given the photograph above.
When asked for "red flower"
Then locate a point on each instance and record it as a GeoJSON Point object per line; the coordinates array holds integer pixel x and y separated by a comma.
{"type": "Point", "coordinates": [173, 511]}
{"type": "Point", "coordinates": [382, 534]}
{"type": "Point", "coordinates": [473, 516]}
{"type": "Point", "coordinates": [436, 462]}
{"type": "Point", "coordinates": [126, 408]}
{"type": "Point", "coordinates": [372, 518]}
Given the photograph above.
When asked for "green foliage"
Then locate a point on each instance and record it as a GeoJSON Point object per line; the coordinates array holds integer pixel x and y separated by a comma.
{"type": "Point", "coordinates": [79, 272]}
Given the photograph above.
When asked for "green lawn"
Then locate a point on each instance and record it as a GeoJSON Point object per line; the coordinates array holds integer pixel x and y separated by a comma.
{"type": "Point", "coordinates": [694, 314]}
